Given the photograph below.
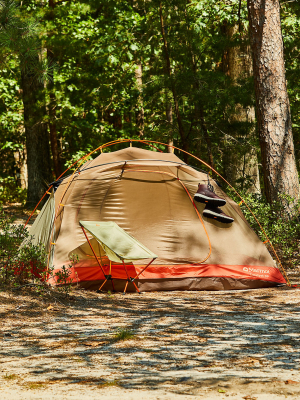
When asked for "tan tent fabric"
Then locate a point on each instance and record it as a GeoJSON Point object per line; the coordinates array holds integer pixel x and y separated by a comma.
{"type": "Point", "coordinates": [141, 191]}
{"type": "Point", "coordinates": [41, 228]}
{"type": "Point", "coordinates": [40, 231]}
{"type": "Point", "coordinates": [155, 210]}
{"type": "Point", "coordinates": [116, 243]}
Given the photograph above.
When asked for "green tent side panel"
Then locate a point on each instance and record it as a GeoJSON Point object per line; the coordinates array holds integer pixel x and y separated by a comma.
{"type": "Point", "coordinates": [118, 245]}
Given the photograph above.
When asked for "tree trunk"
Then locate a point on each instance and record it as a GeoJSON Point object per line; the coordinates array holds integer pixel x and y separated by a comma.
{"type": "Point", "coordinates": [55, 144]}
{"type": "Point", "coordinates": [37, 139]}
{"type": "Point", "coordinates": [21, 163]}
{"type": "Point", "coordinates": [241, 167]}
{"type": "Point", "coordinates": [140, 111]}
{"type": "Point", "coordinates": [173, 86]}
{"type": "Point", "coordinates": [54, 140]}
{"type": "Point", "coordinates": [273, 108]}
{"type": "Point", "coordinates": [200, 112]}
{"type": "Point", "coordinates": [169, 114]}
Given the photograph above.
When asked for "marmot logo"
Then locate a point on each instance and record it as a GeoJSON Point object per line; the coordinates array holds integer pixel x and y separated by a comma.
{"type": "Point", "coordinates": [255, 270]}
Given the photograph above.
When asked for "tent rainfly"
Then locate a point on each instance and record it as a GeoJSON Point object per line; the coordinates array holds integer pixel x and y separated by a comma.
{"type": "Point", "coordinates": [120, 204]}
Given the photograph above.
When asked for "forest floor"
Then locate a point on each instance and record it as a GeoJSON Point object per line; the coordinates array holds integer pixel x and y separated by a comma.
{"type": "Point", "coordinates": [180, 345]}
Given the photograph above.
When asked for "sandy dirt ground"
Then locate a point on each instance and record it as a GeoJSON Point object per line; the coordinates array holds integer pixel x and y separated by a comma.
{"type": "Point", "coordinates": [204, 345]}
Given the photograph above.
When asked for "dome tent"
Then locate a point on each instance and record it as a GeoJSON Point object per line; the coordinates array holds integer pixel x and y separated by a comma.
{"type": "Point", "coordinates": [150, 196]}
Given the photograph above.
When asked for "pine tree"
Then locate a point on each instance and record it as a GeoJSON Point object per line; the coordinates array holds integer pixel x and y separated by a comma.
{"type": "Point", "coordinates": [273, 107]}
{"type": "Point", "coordinates": [20, 36]}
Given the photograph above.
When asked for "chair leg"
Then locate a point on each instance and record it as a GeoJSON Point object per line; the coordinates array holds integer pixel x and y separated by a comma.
{"type": "Point", "coordinates": [129, 279]}
{"type": "Point", "coordinates": [125, 287]}
{"type": "Point", "coordinates": [99, 290]}
{"type": "Point", "coordinates": [136, 287]}
{"type": "Point", "coordinates": [113, 285]}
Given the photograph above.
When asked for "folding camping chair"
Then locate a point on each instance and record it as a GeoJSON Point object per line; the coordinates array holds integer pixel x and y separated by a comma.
{"type": "Point", "coordinates": [118, 246]}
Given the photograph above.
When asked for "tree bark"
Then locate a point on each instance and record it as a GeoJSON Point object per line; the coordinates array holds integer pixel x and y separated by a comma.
{"type": "Point", "coordinates": [54, 140]}
{"type": "Point", "coordinates": [241, 167]}
{"type": "Point", "coordinates": [55, 145]}
{"type": "Point", "coordinates": [37, 138]}
{"type": "Point", "coordinates": [200, 112]}
{"type": "Point", "coordinates": [169, 115]}
{"type": "Point", "coordinates": [273, 108]}
{"type": "Point", "coordinates": [21, 163]}
{"type": "Point", "coordinates": [173, 86]}
{"type": "Point", "coordinates": [140, 111]}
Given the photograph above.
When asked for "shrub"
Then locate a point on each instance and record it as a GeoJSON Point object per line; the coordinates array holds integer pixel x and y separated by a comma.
{"type": "Point", "coordinates": [19, 265]}
{"type": "Point", "coordinates": [10, 191]}
{"type": "Point", "coordinates": [23, 263]}
{"type": "Point", "coordinates": [282, 230]}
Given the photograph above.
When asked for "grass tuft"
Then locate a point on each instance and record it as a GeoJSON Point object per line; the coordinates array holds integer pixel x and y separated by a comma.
{"type": "Point", "coordinates": [35, 386]}
{"type": "Point", "coordinates": [10, 377]}
{"type": "Point", "coordinates": [124, 334]}
{"type": "Point", "coordinates": [115, 382]}
{"type": "Point", "coordinates": [78, 359]}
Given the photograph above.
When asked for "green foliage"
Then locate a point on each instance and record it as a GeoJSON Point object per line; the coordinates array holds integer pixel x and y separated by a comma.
{"type": "Point", "coordinates": [11, 133]}
{"type": "Point", "coordinates": [10, 191]}
{"type": "Point", "coordinates": [282, 231]}
{"type": "Point", "coordinates": [63, 279]}
{"type": "Point", "coordinates": [94, 90]}
{"type": "Point", "coordinates": [20, 35]}
{"type": "Point", "coordinates": [290, 19]}
{"type": "Point", "coordinates": [21, 262]}
{"type": "Point", "coordinates": [63, 276]}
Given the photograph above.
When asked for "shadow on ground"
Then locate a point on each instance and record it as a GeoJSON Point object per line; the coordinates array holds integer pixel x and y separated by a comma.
{"type": "Point", "coordinates": [181, 342]}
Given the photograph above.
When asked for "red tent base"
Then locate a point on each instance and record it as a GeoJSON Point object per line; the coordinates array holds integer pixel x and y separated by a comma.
{"type": "Point", "coordinates": [182, 284]}
{"type": "Point", "coordinates": [178, 277]}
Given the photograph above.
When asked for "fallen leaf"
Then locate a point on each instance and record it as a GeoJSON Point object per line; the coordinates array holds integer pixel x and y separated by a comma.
{"type": "Point", "coordinates": [221, 391]}
{"type": "Point", "coordinates": [93, 344]}
{"type": "Point", "coordinates": [51, 308]}
{"type": "Point", "coordinates": [290, 382]}
{"type": "Point", "coordinates": [53, 345]}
